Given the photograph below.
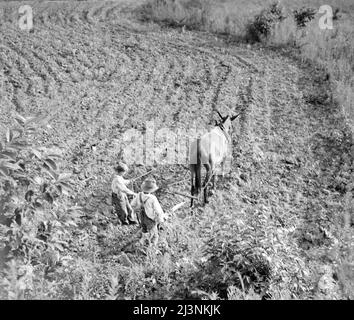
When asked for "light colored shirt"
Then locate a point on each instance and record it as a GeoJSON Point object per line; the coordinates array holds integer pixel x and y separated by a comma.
{"type": "Point", "coordinates": [152, 206]}
{"type": "Point", "coordinates": [119, 184]}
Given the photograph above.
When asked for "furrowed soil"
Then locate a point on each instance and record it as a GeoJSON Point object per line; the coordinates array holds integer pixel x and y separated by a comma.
{"type": "Point", "coordinates": [98, 71]}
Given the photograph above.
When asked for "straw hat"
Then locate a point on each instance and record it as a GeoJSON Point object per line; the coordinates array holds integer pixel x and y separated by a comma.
{"type": "Point", "coordinates": [121, 167]}
{"type": "Point", "coordinates": [149, 185]}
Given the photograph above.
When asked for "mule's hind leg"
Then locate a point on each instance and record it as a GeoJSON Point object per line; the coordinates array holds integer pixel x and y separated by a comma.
{"type": "Point", "coordinates": [213, 179]}
{"type": "Point", "coordinates": [223, 168]}
{"type": "Point", "coordinates": [192, 184]}
{"type": "Point", "coordinates": [206, 182]}
{"type": "Point", "coordinates": [192, 193]}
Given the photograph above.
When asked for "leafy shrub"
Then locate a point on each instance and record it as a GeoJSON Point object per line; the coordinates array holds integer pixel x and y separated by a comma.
{"type": "Point", "coordinates": [35, 218]}
{"type": "Point", "coordinates": [234, 259]}
{"type": "Point", "coordinates": [303, 16]}
{"type": "Point", "coordinates": [263, 23]}
{"type": "Point", "coordinates": [233, 264]}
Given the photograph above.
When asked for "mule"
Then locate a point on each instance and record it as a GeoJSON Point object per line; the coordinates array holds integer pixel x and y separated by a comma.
{"type": "Point", "coordinates": [209, 150]}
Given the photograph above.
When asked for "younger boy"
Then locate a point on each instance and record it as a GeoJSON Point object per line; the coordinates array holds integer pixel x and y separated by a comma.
{"type": "Point", "coordinates": [150, 213]}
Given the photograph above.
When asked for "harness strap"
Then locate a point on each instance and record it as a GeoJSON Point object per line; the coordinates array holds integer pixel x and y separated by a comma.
{"type": "Point", "coordinates": [141, 200]}
{"type": "Point", "coordinates": [146, 222]}
{"type": "Point", "coordinates": [143, 204]}
{"type": "Point", "coordinates": [227, 136]}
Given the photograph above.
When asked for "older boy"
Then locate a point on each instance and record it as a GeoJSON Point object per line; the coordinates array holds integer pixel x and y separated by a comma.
{"type": "Point", "coordinates": [120, 191]}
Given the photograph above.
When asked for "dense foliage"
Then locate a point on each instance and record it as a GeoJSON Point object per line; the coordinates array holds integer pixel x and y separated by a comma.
{"type": "Point", "coordinates": [263, 23]}
{"type": "Point", "coordinates": [304, 15]}
{"type": "Point", "coordinates": [36, 218]}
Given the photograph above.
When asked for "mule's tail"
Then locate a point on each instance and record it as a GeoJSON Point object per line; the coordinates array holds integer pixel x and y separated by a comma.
{"type": "Point", "coordinates": [198, 169]}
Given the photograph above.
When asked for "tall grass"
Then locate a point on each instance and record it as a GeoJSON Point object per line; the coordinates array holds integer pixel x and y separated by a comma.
{"type": "Point", "coordinates": [334, 50]}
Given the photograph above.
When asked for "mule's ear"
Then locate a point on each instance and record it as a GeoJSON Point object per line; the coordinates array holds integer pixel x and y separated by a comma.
{"type": "Point", "coordinates": [220, 115]}
{"type": "Point", "coordinates": [234, 117]}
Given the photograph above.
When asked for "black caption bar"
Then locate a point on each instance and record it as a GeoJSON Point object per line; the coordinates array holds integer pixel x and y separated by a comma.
{"type": "Point", "coordinates": [167, 309]}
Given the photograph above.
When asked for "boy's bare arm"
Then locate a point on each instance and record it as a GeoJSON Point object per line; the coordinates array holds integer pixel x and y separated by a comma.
{"type": "Point", "coordinates": [114, 186]}
{"type": "Point", "coordinates": [127, 190]}
{"type": "Point", "coordinates": [135, 203]}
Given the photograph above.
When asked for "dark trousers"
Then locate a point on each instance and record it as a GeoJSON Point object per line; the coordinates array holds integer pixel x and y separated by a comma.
{"type": "Point", "coordinates": [122, 207]}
